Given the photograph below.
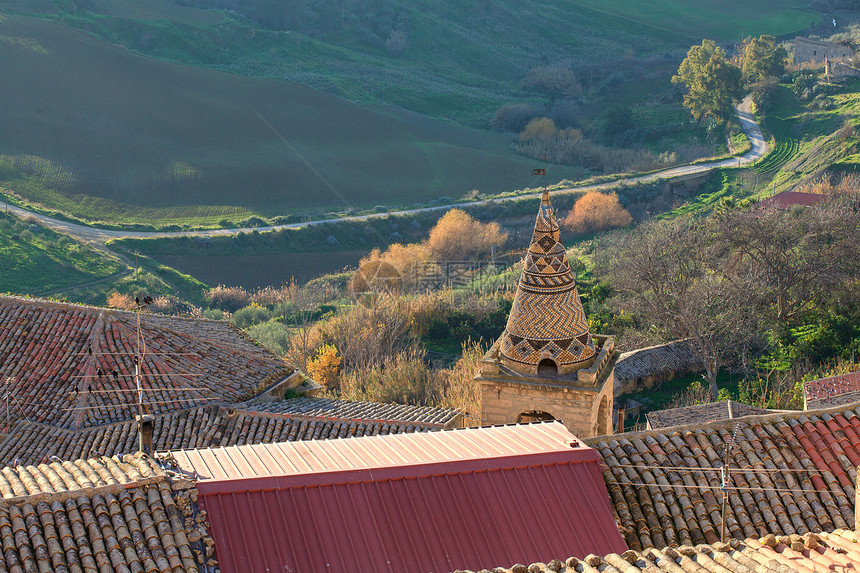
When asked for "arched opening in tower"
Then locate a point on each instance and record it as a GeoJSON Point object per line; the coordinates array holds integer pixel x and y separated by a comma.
{"type": "Point", "coordinates": [547, 366]}
{"type": "Point", "coordinates": [534, 416]}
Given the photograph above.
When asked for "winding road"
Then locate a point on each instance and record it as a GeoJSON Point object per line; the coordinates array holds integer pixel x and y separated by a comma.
{"type": "Point", "coordinates": [100, 236]}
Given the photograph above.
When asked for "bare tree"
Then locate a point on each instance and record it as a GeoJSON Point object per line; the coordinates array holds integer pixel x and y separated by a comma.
{"type": "Point", "coordinates": [665, 272]}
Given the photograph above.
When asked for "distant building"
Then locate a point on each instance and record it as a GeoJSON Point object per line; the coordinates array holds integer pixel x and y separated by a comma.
{"type": "Point", "coordinates": [832, 391]}
{"type": "Point", "coordinates": [788, 199]}
{"type": "Point", "coordinates": [808, 51]}
{"type": "Point", "coordinates": [546, 365]}
{"type": "Point", "coordinates": [701, 413]}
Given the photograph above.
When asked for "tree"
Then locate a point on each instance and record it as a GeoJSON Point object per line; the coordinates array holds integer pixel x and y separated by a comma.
{"type": "Point", "coordinates": [540, 128]}
{"type": "Point", "coordinates": [595, 212]}
{"type": "Point", "coordinates": [713, 84]}
{"type": "Point", "coordinates": [459, 237]}
{"type": "Point", "coordinates": [664, 271]}
{"type": "Point", "coordinates": [762, 58]}
{"type": "Point", "coordinates": [325, 367]}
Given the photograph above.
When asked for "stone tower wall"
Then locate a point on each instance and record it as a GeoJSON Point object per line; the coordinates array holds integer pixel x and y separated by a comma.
{"type": "Point", "coordinates": [585, 413]}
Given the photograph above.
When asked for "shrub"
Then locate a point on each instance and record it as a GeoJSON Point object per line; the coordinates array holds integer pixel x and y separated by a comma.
{"type": "Point", "coordinates": [764, 95]}
{"type": "Point", "coordinates": [408, 261]}
{"type": "Point", "coordinates": [121, 301]}
{"type": "Point", "coordinates": [325, 367]}
{"type": "Point", "coordinates": [540, 129]}
{"type": "Point", "coordinates": [554, 82]}
{"type": "Point", "coordinates": [595, 212]}
{"type": "Point", "coordinates": [513, 117]}
{"type": "Point", "coordinates": [250, 315]}
{"type": "Point", "coordinates": [229, 299]}
{"type": "Point", "coordinates": [402, 378]}
{"type": "Point", "coordinates": [619, 119]}
{"type": "Point", "coordinates": [459, 237]}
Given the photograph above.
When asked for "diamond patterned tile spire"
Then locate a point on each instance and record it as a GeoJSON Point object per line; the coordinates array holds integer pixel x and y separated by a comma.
{"type": "Point", "coordinates": [547, 308]}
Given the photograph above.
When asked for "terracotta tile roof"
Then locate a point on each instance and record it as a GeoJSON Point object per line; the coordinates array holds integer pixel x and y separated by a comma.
{"type": "Point", "coordinates": [702, 413]}
{"type": "Point", "coordinates": [809, 553]}
{"type": "Point", "coordinates": [73, 476]}
{"type": "Point", "coordinates": [429, 502]}
{"type": "Point", "coordinates": [665, 358]}
{"type": "Point", "coordinates": [195, 428]}
{"type": "Point", "coordinates": [826, 392]}
{"type": "Point", "coordinates": [104, 515]}
{"type": "Point", "coordinates": [62, 359]}
{"type": "Point", "coordinates": [797, 474]}
{"type": "Point", "coordinates": [345, 409]}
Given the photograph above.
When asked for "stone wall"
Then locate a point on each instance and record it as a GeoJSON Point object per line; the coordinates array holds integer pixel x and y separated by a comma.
{"type": "Point", "coordinates": [585, 413]}
{"type": "Point", "coordinates": [837, 71]}
{"type": "Point", "coordinates": [815, 51]}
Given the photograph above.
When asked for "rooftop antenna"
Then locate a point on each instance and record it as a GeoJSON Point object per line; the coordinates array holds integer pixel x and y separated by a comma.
{"type": "Point", "coordinates": [144, 423]}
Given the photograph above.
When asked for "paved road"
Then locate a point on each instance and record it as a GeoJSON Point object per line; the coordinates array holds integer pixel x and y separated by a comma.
{"type": "Point", "coordinates": [750, 127]}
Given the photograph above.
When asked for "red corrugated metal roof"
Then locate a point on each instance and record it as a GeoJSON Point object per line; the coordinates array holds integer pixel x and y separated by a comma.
{"type": "Point", "coordinates": [431, 502]}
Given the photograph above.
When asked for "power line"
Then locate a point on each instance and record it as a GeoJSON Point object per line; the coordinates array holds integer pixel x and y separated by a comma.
{"type": "Point", "coordinates": [734, 488]}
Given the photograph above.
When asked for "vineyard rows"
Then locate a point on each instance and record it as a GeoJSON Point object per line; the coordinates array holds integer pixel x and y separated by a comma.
{"type": "Point", "coordinates": [781, 154]}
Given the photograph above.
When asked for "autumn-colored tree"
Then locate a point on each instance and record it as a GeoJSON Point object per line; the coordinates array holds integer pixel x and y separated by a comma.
{"type": "Point", "coordinates": [325, 366]}
{"type": "Point", "coordinates": [713, 84]}
{"type": "Point", "coordinates": [595, 212]}
{"type": "Point", "coordinates": [762, 58]}
{"type": "Point", "coordinates": [540, 128]}
{"type": "Point", "coordinates": [395, 269]}
{"type": "Point", "coordinates": [459, 237]}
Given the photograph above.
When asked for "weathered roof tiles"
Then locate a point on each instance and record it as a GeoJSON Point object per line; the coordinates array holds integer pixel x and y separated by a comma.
{"type": "Point", "coordinates": [809, 553]}
{"type": "Point", "coordinates": [327, 407]}
{"type": "Point", "coordinates": [790, 473]}
{"type": "Point", "coordinates": [700, 413]}
{"type": "Point", "coordinates": [832, 391]}
{"type": "Point", "coordinates": [73, 366]}
{"type": "Point", "coordinates": [195, 428]}
{"type": "Point", "coordinates": [100, 515]}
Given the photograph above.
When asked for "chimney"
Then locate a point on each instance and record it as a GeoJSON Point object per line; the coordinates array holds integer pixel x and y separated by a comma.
{"type": "Point", "coordinates": [620, 428]}
{"type": "Point", "coordinates": [146, 424]}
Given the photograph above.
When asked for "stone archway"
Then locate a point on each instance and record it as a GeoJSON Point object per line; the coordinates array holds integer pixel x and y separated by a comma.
{"type": "Point", "coordinates": [534, 416]}
{"type": "Point", "coordinates": [547, 366]}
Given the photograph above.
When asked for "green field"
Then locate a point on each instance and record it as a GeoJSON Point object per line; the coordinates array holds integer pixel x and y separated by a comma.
{"type": "Point", "coordinates": [99, 132]}
{"type": "Point", "coordinates": [719, 20]}
{"type": "Point", "coordinates": [102, 134]}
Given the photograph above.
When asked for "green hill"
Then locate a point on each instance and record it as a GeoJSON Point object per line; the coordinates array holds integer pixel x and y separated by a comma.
{"type": "Point", "coordinates": [456, 59]}
{"type": "Point", "coordinates": [93, 128]}
{"type": "Point", "coordinates": [100, 133]}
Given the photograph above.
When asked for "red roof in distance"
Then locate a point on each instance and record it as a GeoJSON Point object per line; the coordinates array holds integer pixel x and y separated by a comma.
{"type": "Point", "coordinates": [824, 388]}
{"type": "Point", "coordinates": [431, 502]}
{"type": "Point", "coordinates": [788, 199]}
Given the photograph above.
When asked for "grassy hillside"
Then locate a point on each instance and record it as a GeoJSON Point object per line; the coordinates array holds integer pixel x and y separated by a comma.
{"type": "Point", "coordinates": [812, 135]}
{"type": "Point", "coordinates": [36, 260]}
{"type": "Point", "coordinates": [100, 133]}
{"type": "Point", "coordinates": [457, 59]}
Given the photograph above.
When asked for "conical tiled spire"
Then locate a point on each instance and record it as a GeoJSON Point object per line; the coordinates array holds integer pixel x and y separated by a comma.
{"type": "Point", "coordinates": [547, 321]}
